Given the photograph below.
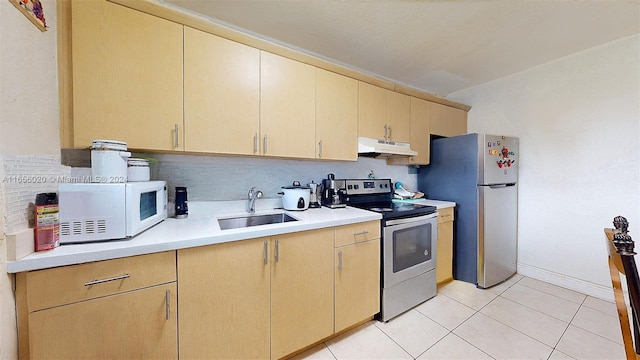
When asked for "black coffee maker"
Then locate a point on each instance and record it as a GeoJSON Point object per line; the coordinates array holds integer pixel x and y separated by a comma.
{"type": "Point", "coordinates": [333, 191]}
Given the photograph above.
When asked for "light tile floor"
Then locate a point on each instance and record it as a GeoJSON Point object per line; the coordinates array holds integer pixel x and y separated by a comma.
{"type": "Point", "coordinates": [522, 318]}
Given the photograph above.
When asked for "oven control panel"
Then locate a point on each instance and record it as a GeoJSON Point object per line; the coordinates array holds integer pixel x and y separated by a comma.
{"type": "Point", "coordinates": [368, 186]}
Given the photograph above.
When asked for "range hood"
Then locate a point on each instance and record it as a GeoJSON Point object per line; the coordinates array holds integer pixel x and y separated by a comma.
{"type": "Point", "coordinates": [381, 148]}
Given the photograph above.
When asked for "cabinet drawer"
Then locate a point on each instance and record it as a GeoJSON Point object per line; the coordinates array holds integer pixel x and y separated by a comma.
{"type": "Point", "coordinates": [63, 285]}
{"type": "Point", "coordinates": [353, 233]}
{"type": "Point", "coordinates": [445, 215]}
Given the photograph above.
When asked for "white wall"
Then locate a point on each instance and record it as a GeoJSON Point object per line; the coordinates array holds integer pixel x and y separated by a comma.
{"type": "Point", "coordinates": [578, 120]}
{"type": "Point", "coordinates": [29, 135]}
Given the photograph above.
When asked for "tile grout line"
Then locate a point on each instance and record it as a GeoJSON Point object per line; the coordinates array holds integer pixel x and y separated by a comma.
{"type": "Point", "coordinates": [567, 328]}
{"type": "Point", "coordinates": [554, 295]}
{"type": "Point", "coordinates": [527, 306]}
{"type": "Point", "coordinates": [392, 339]}
{"type": "Point", "coordinates": [504, 298]}
{"type": "Point", "coordinates": [467, 319]}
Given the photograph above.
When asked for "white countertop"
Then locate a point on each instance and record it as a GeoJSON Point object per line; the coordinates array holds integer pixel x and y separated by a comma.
{"type": "Point", "coordinates": [199, 229]}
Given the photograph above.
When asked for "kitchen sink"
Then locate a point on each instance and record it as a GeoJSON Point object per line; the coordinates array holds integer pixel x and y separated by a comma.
{"type": "Point", "coordinates": [254, 220]}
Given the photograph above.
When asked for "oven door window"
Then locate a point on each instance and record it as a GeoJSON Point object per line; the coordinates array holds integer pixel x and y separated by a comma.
{"type": "Point", "coordinates": [411, 246]}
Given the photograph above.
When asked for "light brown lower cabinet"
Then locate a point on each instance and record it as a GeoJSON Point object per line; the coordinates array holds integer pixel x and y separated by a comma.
{"type": "Point", "coordinates": [224, 300]}
{"type": "Point", "coordinates": [444, 257]}
{"type": "Point", "coordinates": [301, 290]}
{"type": "Point", "coordinates": [135, 325]}
{"type": "Point", "coordinates": [357, 282]}
{"type": "Point", "coordinates": [118, 309]}
{"type": "Point", "coordinates": [258, 298]}
{"type": "Point", "coordinates": [252, 299]}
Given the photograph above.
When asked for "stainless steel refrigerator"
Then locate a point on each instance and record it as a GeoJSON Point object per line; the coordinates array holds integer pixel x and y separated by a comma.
{"type": "Point", "coordinates": [480, 173]}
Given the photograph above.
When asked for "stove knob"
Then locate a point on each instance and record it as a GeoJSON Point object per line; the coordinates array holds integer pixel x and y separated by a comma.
{"type": "Point", "coordinates": [356, 186]}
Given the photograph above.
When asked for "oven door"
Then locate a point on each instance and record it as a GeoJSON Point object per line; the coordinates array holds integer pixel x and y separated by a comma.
{"type": "Point", "coordinates": [408, 248]}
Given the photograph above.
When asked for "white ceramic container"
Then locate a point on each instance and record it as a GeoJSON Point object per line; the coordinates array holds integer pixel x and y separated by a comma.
{"type": "Point", "coordinates": [109, 161]}
{"type": "Point", "coordinates": [138, 170]}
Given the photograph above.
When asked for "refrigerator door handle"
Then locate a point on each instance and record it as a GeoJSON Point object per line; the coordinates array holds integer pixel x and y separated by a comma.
{"type": "Point", "coordinates": [498, 186]}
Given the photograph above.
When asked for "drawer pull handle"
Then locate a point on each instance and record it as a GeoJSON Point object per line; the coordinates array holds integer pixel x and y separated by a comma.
{"type": "Point", "coordinates": [96, 282]}
{"type": "Point", "coordinates": [266, 252]}
{"type": "Point", "coordinates": [167, 302]}
{"type": "Point", "coordinates": [360, 233]}
{"type": "Point", "coordinates": [339, 260]}
{"type": "Point", "coordinates": [277, 251]}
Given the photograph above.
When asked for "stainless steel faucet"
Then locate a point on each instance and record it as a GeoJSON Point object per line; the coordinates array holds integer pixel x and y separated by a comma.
{"type": "Point", "coordinates": [253, 195]}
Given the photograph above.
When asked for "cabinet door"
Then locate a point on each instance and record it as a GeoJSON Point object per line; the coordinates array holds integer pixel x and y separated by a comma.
{"type": "Point", "coordinates": [357, 283]}
{"type": "Point", "coordinates": [398, 116]}
{"type": "Point", "coordinates": [127, 77]}
{"type": "Point", "coordinates": [336, 116]}
{"type": "Point", "coordinates": [224, 301]}
{"type": "Point", "coordinates": [135, 325]}
{"type": "Point", "coordinates": [444, 257]}
{"type": "Point", "coordinates": [372, 111]}
{"type": "Point", "coordinates": [301, 290]}
{"type": "Point", "coordinates": [420, 137]}
{"type": "Point", "coordinates": [287, 107]}
{"type": "Point", "coordinates": [420, 131]}
{"type": "Point", "coordinates": [221, 94]}
{"type": "Point", "coordinates": [448, 121]}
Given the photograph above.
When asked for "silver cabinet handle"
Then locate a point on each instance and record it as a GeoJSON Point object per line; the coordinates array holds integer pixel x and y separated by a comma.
{"type": "Point", "coordinates": [175, 136]}
{"type": "Point", "coordinates": [167, 304]}
{"type": "Point", "coordinates": [320, 149]}
{"type": "Point", "coordinates": [96, 281]}
{"type": "Point", "coordinates": [389, 136]}
{"type": "Point", "coordinates": [255, 143]}
{"type": "Point", "coordinates": [277, 251]}
{"type": "Point", "coordinates": [385, 131]}
{"type": "Point", "coordinates": [360, 233]}
{"type": "Point", "coordinates": [264, 145]}
{"type": "Point", "coordinates": [266, 252]}
{"type": "Point", "coordinates": [340, 260]}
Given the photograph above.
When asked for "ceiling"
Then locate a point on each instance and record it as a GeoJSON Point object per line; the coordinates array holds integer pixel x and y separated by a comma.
{"type": "Point", "coordinates": [439, 46]}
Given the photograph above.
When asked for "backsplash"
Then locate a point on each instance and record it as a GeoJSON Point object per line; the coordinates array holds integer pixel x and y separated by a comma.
{"type": "Point", "coordinates": [230, 178]}
{"type": "Point", "coordinates": [23, 177]}
{"type": "Point", "coordinates": [211, 178]}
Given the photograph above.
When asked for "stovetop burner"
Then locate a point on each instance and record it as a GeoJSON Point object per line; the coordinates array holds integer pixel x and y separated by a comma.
{"type": "Point", "coordinates": [391, 210]}
{"type": "Point", "coordinates": [377, 195]}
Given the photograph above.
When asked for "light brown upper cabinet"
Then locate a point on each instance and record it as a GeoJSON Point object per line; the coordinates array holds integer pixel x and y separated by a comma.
{"type": "Point", "coordinates": [398, 116]}
{"type": "Point", "coordinates": [420, 134]}
{"type": "Point", "coordinates": [127, 77]}
{"type": "Point", "coordinates": [383, 114]}
{"type": "Point", "coordinates": [221, 95]}
{"type": "Point", "coordinates": [372, 111]}
{"type": "Point", "coordinates": [287, 107]}
{"type": "Point", "coordinates": [448, 121]}
{"type": "Point", "coordinates": [336, 116]}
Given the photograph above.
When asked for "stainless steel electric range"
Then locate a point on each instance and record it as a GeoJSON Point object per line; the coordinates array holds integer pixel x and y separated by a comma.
{"type": "Point", "coordinates": [409, 243]}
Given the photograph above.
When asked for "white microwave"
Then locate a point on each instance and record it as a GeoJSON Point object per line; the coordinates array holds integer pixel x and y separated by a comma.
{"type": "Point", "coordinates": [99, 211]}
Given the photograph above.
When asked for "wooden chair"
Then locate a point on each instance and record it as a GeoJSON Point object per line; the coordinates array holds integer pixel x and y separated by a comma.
{"type": "Point", "coordinates": [621, 261]}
